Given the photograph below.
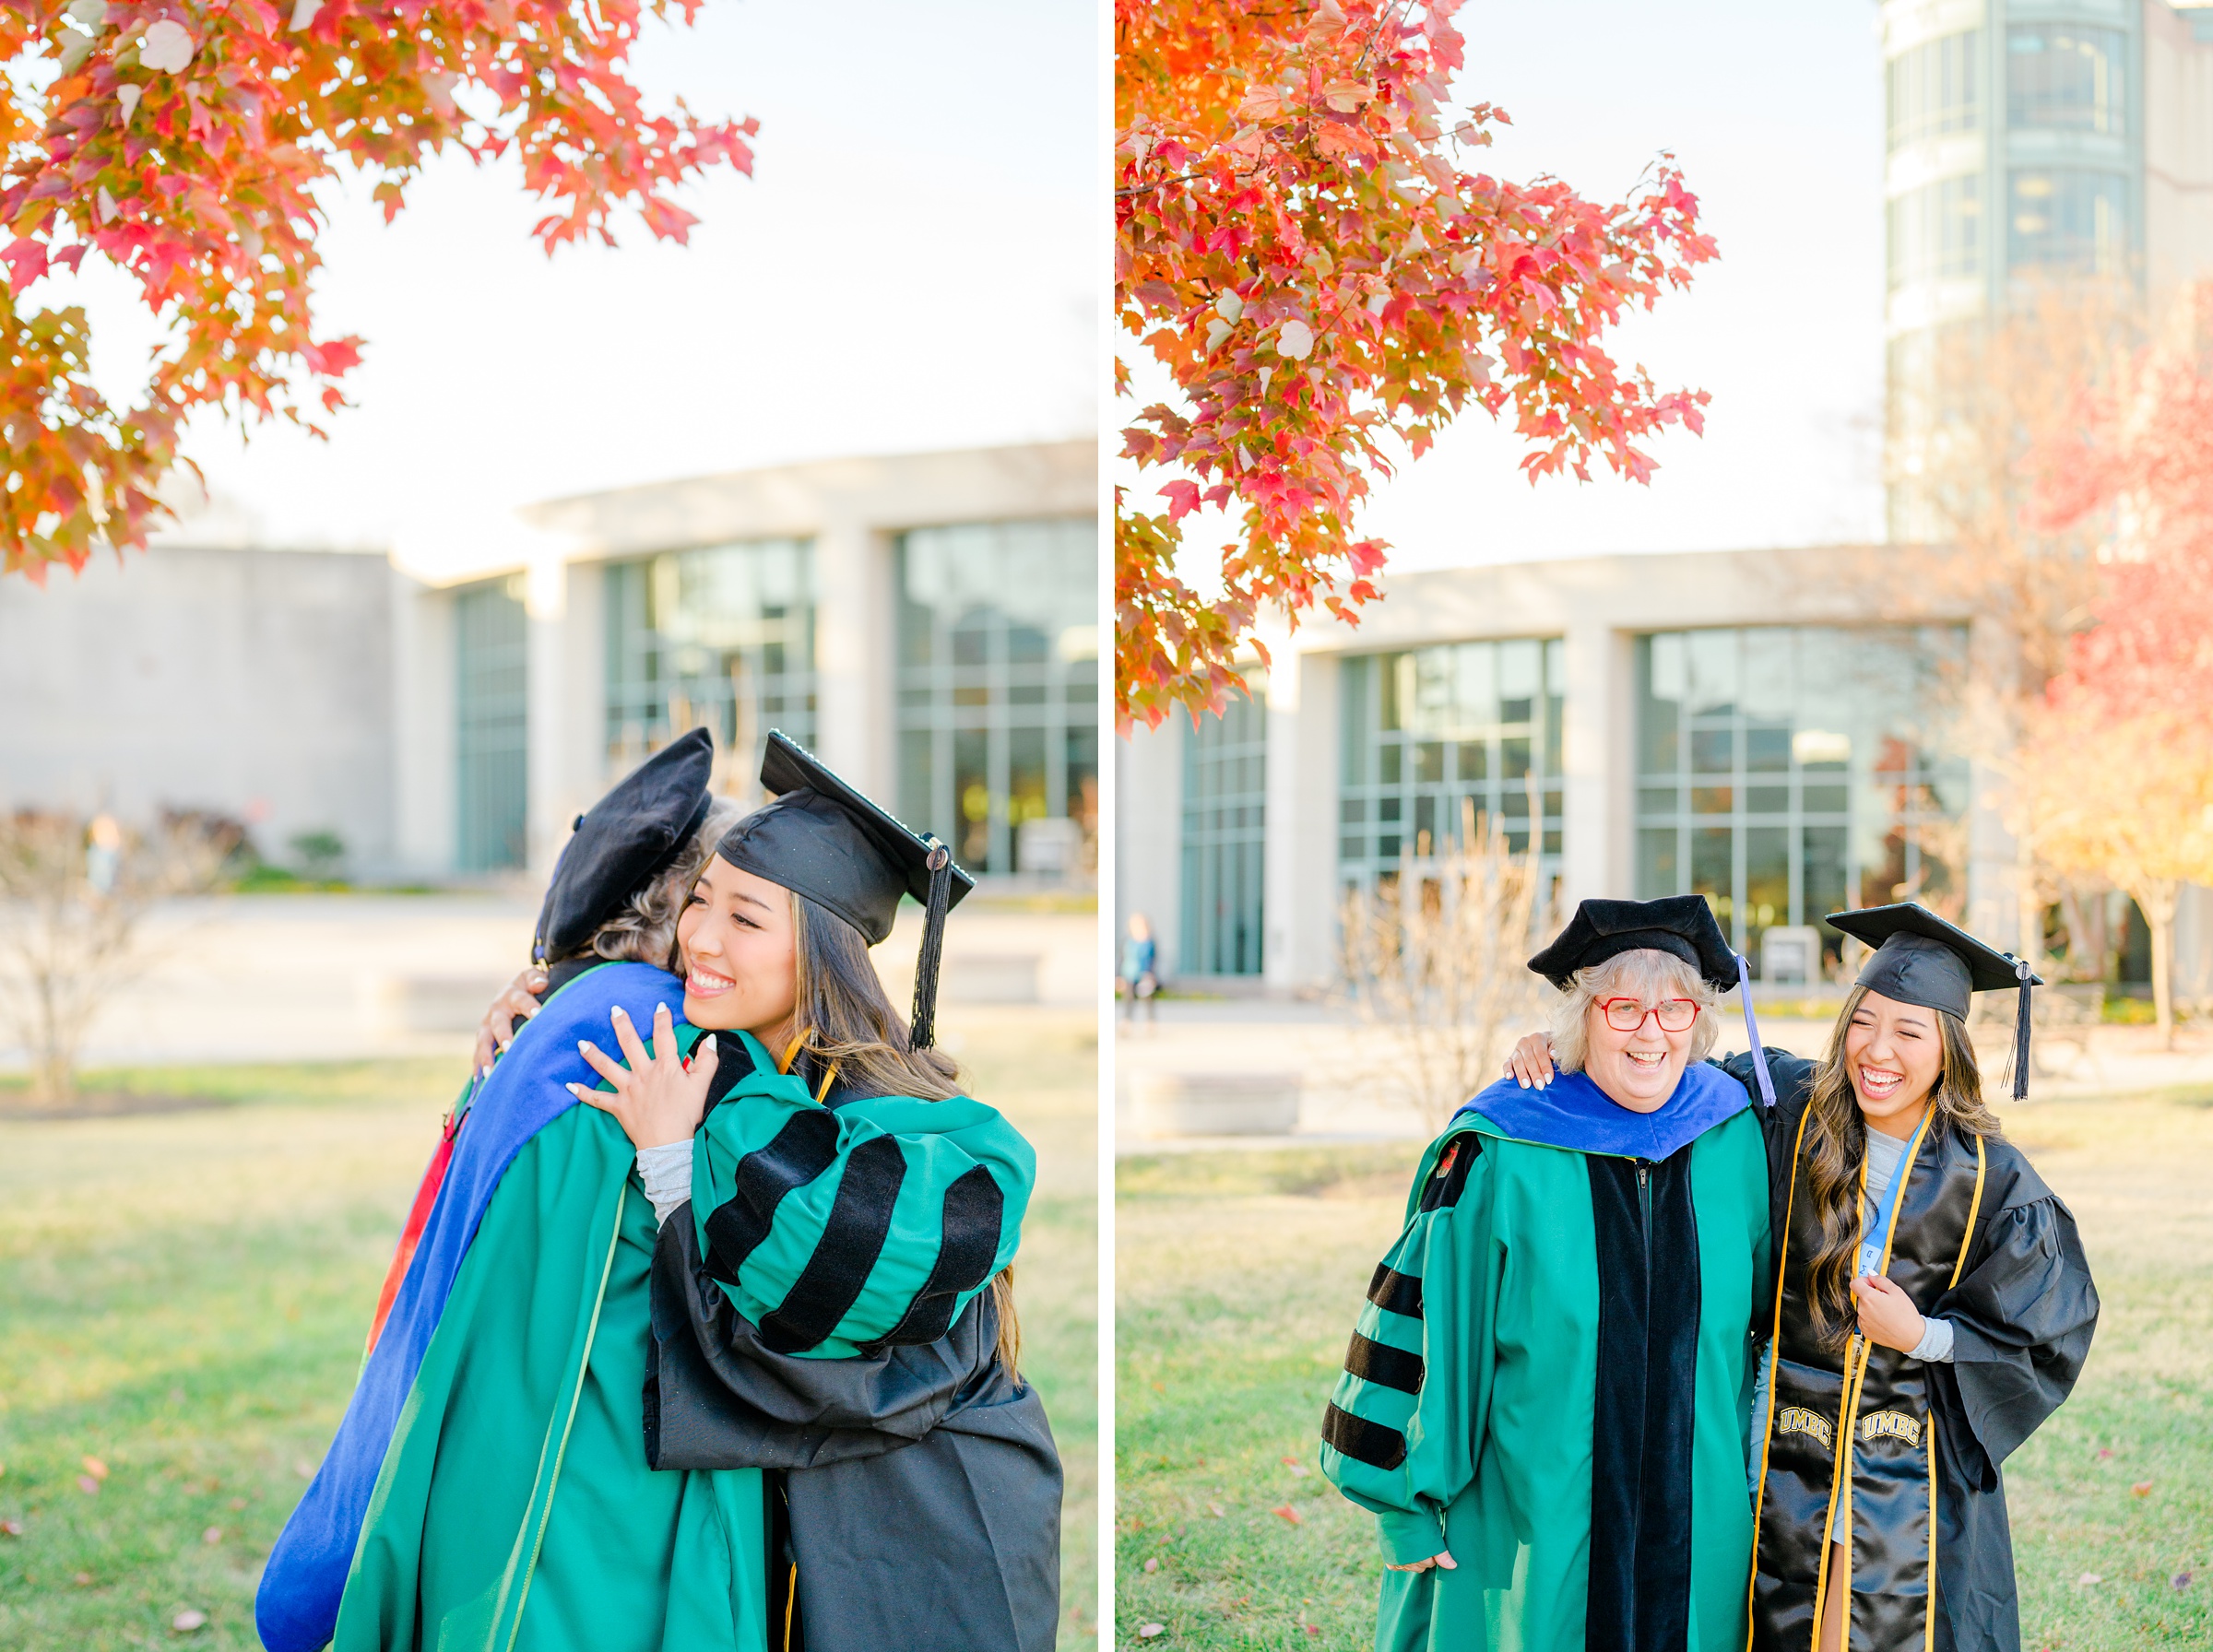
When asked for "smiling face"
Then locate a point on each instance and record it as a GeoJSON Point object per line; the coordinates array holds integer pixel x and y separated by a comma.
{"type": "Point", "coordinates": [1894, 1055]}
{"type": "Point", "coordinates": [1637, 1069]}
{"type": "Point", "coordinates": [740, 955]}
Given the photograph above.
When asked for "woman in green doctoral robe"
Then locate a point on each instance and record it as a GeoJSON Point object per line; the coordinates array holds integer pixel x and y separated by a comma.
{"type": "Point", "coordinates": [1544, 1401]}
{"type": "Point", "coordinates": [519, 1504]}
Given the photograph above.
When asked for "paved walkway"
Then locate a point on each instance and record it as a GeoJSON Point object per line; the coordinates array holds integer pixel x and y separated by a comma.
{"type": "Point", "coordinates": [292, 977]}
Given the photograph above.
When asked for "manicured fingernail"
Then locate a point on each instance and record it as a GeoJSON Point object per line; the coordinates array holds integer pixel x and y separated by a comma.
{"type": "Point", "coordinates": [621, 1011]}
{"type": "Point", "coordinates": [661, 1010]}
{"type": "Point", "coordinates": [585, 1045]}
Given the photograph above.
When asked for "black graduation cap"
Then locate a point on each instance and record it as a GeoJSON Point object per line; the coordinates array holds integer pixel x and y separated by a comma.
{"type": "Point", "coordinates": [825, 839]}
{"type": "Point", "coordinates": [1681, 924]}
{"type": "Point", "coordinates": [1920, 958]}
{"type": "Point", "coordinates": [623, 842]}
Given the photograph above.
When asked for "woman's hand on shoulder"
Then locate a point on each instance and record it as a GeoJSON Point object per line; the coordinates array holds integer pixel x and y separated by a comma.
{"type": "Point", "coordinates": [659, 1097]}
{"type": "Point", "coordinates": [497, 1030]}
{"type": "Point", "coordinates": [1531, 1064]}
{"type": "Point", "coordinates": [1442, 1560]}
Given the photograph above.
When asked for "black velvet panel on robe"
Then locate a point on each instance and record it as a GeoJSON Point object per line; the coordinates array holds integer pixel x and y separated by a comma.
{"type": "Point", "coordinates": [2022, 1315]}
{"type": "Point", "coordinates": [921, 1486]}
{"type": "Point", "coordinates": [1639, 1585]}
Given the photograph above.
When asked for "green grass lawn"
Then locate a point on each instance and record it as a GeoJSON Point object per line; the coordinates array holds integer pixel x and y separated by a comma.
{"type": "Point", "coordinates": [183, 1299]}
{"type": "Point", "coordinates": [1240, 1276]}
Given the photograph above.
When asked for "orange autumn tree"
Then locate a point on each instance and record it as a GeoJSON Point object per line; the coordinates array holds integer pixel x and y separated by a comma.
{"type": "Point", "coordinates": [1299, 243]}
{"type": "Point", "coordinates": [2118, 767]}
{"type": "Point", "coordinates": [185, 143]}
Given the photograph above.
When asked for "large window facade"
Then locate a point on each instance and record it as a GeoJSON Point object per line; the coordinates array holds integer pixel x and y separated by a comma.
{"type": "Point", "coordinates": [1429, 727]}
{"type": "Point", "coordinates": [2070, 221]}
{"type": "Point", "coordinates": [1787, 771]}
{"type": "Point", "coordinates": [1225, 837]}
{"type": "Point", "coordinates": [999, 672]}
{"type": "Point", "coordinates": [1933, 90]}
{"type": "Point", "coordinates": [721, 636]}
{"type": "Point", "coordinates": [492, 726]}
{"type": "Point", "coordinates": [2060, 77]}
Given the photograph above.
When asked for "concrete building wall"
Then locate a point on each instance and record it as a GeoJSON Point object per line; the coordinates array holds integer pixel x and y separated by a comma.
{"type": "Point", "coordinates": [253, 683]}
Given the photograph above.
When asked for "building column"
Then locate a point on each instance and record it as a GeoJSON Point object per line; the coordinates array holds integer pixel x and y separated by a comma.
{"type": "Point", "coordinates": [1598, 753]}
{"type": "Point", "coordinates": [423, 670]}
{"type": "Point", "coordinates": [856, 654]}
{"type": "Point", "coordinates": [1300, 950]}
{"type": "Point", "coordinates": [547, 662]}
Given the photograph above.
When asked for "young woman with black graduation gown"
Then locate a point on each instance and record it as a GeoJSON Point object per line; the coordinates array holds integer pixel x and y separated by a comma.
{"type": "Point", "coordinates": [1933, 1306]}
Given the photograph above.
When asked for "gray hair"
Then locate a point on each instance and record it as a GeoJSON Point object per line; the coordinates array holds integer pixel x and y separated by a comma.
{"type": "Point", "coordinates": [644, 930]}
{"type": "Point", "coordinates": [1646, 972]}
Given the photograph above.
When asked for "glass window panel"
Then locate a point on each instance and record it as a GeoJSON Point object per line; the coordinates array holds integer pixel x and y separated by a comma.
{"type": "Point", "coordinates": [1224, 837]}
{"type": "Point", "coordinates": [1388, 763]}
{"type": "Point", "coordinates": [1472, 762]}
{"type": "Point", "coordinates": [492, 728]}
{"type": "Point", "coordinates": [2063, 78]}
{"type": "Point", "coordinates": [721, 637]}
{"type": "Point", "coordinates": [1429, 760]}
{"type": "Point", "coordinates": [1862, 791]}
{"type": "Point", "coordinates": [1931, 89]}
{"type": "Point", "coordinates": [1355, 735]}
{"type": "Point", "coordinates": [1713, 671]}
{"type": "Point", "coordinates": [1513, 757]}
{"type": "Point", "coordinates": [2067, 218]}
{"type": "Point", "coordinates": [998, 648]}
{"type": "Point", "coordinates": [1388, 809]}
{"type": "Point", "coordinates": [1659, 862]}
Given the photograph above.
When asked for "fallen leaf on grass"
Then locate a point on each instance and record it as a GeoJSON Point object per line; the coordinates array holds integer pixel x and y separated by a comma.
{"type": "Point", "coordinates": [95, 1469]}
{"type": "Point", "coordinates": [2103, 1452]}
{"type": "Point", "coordinates": [2142, 1487]}
{"type": "Point", "coordinates": [2088, 1578]}
{"type": "Point", "coordinates": [2180, 1580]}
{"type": "Point", "coordinates": [214, 1534]}
{"type": "Point", "coordinates": [87, 1485]}
{"type": "Point", "coordinates": [1152, 1565]}
{"type": "Point", "coordinates": [239, 1502]}
{"type": "Point", "coordinates": [1289, 1513]}
{"type": "Point", "coordinates": [1146, 1631]}
{"type": "Point", "coordinates": [304, 1470]}
{"type": "Point", "coordinates": [83, 1580]}
{"type": "Point", "coordinates": [1295, 1467]}
{"type": "Point", "coordinates": [1313, 1629]}
{"type": "Point", "coordinates": [186, 1622]}
{"type": "Point", "coordinates": [1214, 1509]}
{"type": "Point", "coordinates": [13, 1529]}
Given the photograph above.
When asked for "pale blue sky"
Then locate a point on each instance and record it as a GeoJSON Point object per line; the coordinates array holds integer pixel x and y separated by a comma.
{"type": "Point", "coordinates": [1774, 113]}
{"type": "Point", "coordinates": [915, 264]}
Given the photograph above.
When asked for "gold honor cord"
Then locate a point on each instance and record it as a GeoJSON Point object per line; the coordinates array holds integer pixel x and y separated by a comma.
{"type": "Point", "coordinates": [1855, 1380]}
{"type": "Point", "coordinates": [1967, 1240]}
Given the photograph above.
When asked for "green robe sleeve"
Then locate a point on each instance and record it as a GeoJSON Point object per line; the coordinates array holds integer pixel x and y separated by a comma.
{"type": "Point", "coordinates": [1399, 1438]}
{"type": "Point", "coordinates": [842, 1231]}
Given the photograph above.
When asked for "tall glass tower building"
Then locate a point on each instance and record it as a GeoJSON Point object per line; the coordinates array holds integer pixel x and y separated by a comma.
{"type": "Point", "coordinates": [2029, 140]}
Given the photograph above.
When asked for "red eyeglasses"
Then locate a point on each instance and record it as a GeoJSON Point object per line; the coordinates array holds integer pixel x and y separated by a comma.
{"type": "Point", "coordinates": [1626, 1015]}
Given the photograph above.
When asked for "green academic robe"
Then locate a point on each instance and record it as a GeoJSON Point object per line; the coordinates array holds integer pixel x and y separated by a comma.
{"type": "Point", "coordinates": [1549, 1381]}
{"type": "Point", "coordinates": [515, 1511]}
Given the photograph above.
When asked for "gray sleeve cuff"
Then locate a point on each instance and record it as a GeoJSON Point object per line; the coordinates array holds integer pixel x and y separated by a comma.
{"type": "Point", "coordinates": [1935, 1344]}
{"type": "Point", "coordinates": [667, 1172]}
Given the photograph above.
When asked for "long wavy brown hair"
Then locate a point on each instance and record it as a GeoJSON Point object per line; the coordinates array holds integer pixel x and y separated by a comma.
{"type": "Point", "coordinates": [846, 1020]}
{"type": "Point", "coordinates": [1837, 1134]}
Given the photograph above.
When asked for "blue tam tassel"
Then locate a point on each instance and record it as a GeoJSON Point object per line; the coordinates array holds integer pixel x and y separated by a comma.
{"type": "Point", "coordinates": [1759, 1054]}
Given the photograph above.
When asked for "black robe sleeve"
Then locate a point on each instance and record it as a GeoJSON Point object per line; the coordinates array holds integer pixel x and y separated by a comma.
{"type": "Point", "coordinates": [2022, 1317]}
{"type": "Point", "coordinates": [1793, 1077]}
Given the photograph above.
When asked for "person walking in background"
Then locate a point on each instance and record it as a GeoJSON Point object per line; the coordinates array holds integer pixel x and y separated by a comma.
{"type": "Point", "coordinates": [1542, 1403]}
{"type": "Point", "coordinates": [1140, 972]}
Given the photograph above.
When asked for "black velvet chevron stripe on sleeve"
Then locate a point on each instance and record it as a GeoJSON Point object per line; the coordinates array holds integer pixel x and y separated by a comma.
{"type": "Point", "coordinates": [1395, 1293]}
{"type": "Point", "coordinates": [801, 1151]}
{"type": "Point", "coordinates": [1364, 1442]}
{"type": "Point", "coordinates": [1380, 1363]}
{"type": "Point", "coordinates": [973, 1211]}
{"type": "Point", "coordinates": [852, 1239]}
